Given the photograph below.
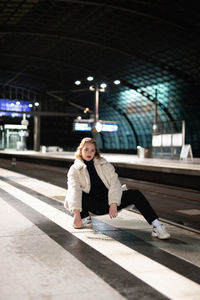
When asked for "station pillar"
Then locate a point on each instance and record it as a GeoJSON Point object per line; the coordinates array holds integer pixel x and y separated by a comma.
{"type": "Point", "coordinates": [36, 133]}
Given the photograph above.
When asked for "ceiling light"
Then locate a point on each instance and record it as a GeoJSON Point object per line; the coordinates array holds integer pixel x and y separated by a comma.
{"type": "Point", "coordinates": [91, 88]}
{"type": "Point", "coordinates": [77, 82]}
{"type": "Point", "coordinates": [117, 82]}
{"type": "Point", "coordinates": [103, 85]}
{"type": "Point", "coordinates": [90, 78]}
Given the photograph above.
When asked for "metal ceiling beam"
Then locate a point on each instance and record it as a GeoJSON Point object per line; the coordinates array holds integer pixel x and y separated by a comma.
{"type": "Point", "coordinates": [47, 60]}
{"type": "Point", "coordinates": [148, 96]}
{"type": "Point", "coordinates": [120, 111]}
{"type": "Point", "coordinates": [143, 57]}
{"type": "Point", "coordinates": [142, 10]}
{"type": "Point", "coordinates": [41, 113]}
{"type": "Point", "coordinates": [30, 75]}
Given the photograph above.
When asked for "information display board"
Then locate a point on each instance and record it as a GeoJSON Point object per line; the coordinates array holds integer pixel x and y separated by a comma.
{"type": "Point", "coordinates": [7, 106]}
{"type": "Point", "coordinates": [82, 126]}
{"type": "Point", "coordinates": [101, 126]}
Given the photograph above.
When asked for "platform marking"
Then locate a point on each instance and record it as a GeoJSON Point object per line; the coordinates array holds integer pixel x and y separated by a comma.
{"type": "Point", "coordinates": [191, 212]}
{"type": "Point", "coordinates": [42, 187]}
{"type": "Point", "coordinates": [49, 190]}
{"type": "Point", "coordinates": [161, 278]}
{"type": "Point", "coordinates": [27, 246]}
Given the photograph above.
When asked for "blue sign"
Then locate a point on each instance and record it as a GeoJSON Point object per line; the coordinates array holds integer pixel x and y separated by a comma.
{"type": "Point", "coordinates": [109, 127]}
{"type": "Point", "coordinates": [14, 105]}
{"type": "Point", "coordinates": [101, 126]}
{"type": "Point", "coordinates": [82, 126]}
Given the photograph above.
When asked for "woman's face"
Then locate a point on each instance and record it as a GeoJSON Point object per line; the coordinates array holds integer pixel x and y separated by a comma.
{"type": "Point", "coordinates": [88, 151]}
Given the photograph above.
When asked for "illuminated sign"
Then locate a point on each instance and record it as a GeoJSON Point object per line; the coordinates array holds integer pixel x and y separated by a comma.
{"type": "Point", "coordinates": [101, 126]}
{"type": "Point", "coordinates": [110, 127]}
{"type": "Point", "coordinates": [82, 126]}
{"type": "Point", "coordinates": [106, 126]}
{"type": "Point", "coordinates": [14, 126]}
{"type": "Point", "coordinates": [15, 106]}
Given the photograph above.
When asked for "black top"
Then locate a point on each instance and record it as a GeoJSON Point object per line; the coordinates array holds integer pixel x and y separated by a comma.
{"type": "Point", "coordinates": [98, 189]}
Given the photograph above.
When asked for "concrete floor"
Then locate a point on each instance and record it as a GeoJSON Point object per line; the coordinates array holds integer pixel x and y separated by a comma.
{"type": "Point", "coordinates": [175, 204]}
{"type": "Point", "coordinates": [43, 257]}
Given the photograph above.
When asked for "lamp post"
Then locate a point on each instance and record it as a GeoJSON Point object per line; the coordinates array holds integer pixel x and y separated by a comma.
{"type": "Point", "coordinates": [96, 111]}
{"type": "Point", "coordinates": [155, 121]}
{"type": "Point", "coordinates": [96, 88]}
{"type": "Point", "coordinates": [37, 125]}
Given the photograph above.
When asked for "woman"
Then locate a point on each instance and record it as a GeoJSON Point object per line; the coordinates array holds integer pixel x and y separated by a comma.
{"type": "Point", "coordinates": [94, 187]}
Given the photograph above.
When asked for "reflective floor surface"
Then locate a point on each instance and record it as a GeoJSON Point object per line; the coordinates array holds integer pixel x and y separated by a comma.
{"type": "Point", "coordinates": [44, 257]}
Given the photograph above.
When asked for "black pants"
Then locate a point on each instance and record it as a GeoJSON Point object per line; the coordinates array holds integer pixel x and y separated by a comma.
{"type": "Point", "coordinates": [99, 206]}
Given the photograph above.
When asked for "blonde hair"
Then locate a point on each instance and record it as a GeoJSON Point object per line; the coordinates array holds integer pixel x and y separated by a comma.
{"type": "Point", "coordinates": [82, 144]}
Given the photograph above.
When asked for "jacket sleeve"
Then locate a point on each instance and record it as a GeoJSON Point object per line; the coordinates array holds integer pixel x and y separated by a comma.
{"type": "Point", "coordinates": [74, 192]}
{"type": "Point", "coordinates": [115, 189]}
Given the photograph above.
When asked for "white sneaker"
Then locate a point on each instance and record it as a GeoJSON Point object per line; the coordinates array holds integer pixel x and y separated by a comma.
{"type": "Point", "coordinates": [160, 232]}
{"type": "Point", "coordinates": [87, 222]}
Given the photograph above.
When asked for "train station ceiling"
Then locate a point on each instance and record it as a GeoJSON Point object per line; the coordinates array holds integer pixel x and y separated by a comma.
{"type": "Point", "coordinates": [151, 46]}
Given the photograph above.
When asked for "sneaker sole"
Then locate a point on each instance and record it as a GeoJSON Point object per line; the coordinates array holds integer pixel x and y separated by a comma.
{"type": "Point", "coordinates": [87, 226]}
{"type": "Point", "coordinates": [161, 238]}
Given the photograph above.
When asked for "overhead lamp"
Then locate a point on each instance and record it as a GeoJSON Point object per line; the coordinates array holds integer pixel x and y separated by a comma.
{"type": "Point", "coordinates": [18, 102]}
{"type": "Point", "coordinates": [103, 85]}
{"type": "Point", "coordinates": [30, 105]}
{"type": "Point", "coordinates": [86, 110]}
{"type": "Point", "coordinates": [90, 78]}
{"type": "Point", "coordinates": [36, 103]}
{"type": "Point", "coordinates": [117, 81]}
{"type": "Point", "coordinates": [77, 82]}
{"type": "Point", "coordinates": [91, 88]}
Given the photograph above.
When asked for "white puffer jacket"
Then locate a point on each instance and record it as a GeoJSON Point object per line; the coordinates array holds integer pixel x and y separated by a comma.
{"type": "Point", "coordinates": [79, 181]}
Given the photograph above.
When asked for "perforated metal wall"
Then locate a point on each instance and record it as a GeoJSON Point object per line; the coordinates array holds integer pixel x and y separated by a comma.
{"type": "Point", "coordinates": [46, 45]}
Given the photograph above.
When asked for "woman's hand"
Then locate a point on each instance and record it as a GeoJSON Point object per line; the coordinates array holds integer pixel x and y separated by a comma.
{"type": "Point", "coordinates": [113, 210]}
{"type": "Point", "coordinates": [77, 219]}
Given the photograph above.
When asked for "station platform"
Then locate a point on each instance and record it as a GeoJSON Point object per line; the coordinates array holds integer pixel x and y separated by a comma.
{"type": "Point", "coordinates": [183, 173]}
{"type": "Point", "coordinates": [44, 257]}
